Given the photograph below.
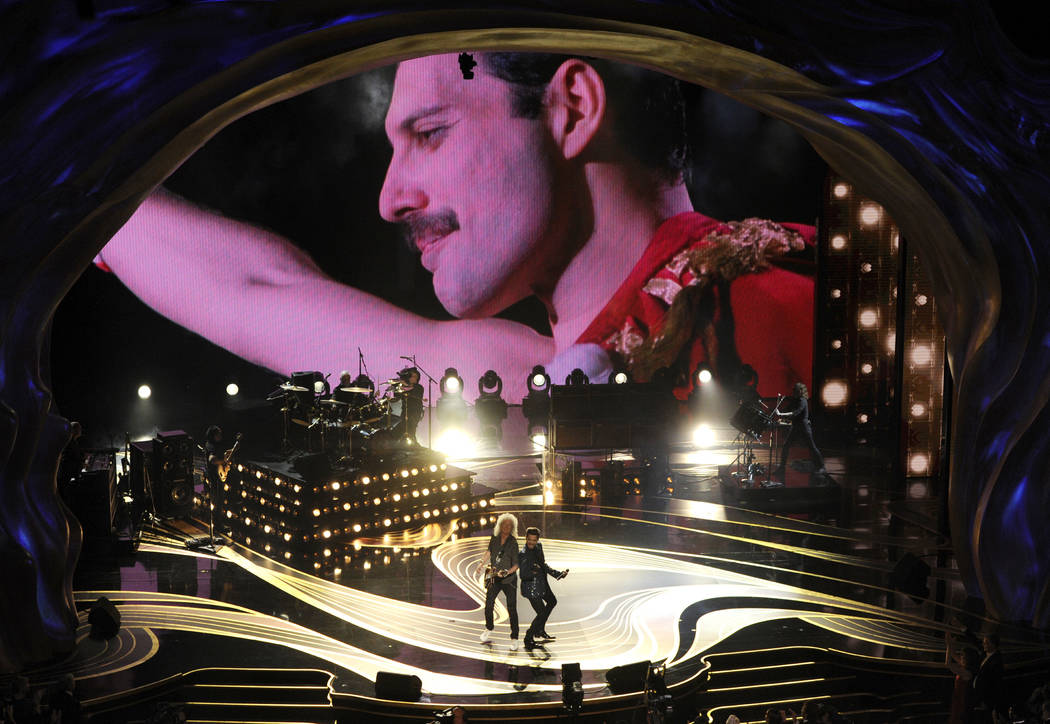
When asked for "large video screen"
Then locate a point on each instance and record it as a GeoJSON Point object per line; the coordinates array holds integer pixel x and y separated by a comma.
{"type": "Point", "coordinates": [487, 211]}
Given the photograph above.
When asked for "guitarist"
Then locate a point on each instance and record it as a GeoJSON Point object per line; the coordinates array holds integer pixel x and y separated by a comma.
{"type": "Point", "coordinates": [218, 464]}
{"type": "Point", "coordinates": [501, 563]}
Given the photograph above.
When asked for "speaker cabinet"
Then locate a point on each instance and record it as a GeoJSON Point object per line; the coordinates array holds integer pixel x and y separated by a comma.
{"type": "Point", "coordinates": [627, 678]}
{"type": "Point", "coordinates": [173, 474]}
{"type": "Point", "coordinates": [398, 687]}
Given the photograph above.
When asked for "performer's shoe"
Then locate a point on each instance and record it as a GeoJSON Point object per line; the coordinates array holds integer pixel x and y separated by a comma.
{"type": "Point", "coordinates": [513, 644]}
{"type": "Point", "coordinates": [546, 636]}
{"type": "Point", "coordinates": [485, 636]}
{"type": "Point", "coordinates": [529, 644]}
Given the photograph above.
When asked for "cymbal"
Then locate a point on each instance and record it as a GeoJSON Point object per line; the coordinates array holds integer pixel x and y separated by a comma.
{"type": "Point", "coordinates": [358, 390]}
{"type": "Point", "coordinates": [293, 388]}
{"type": "Point", "coordinates": [333, 403]}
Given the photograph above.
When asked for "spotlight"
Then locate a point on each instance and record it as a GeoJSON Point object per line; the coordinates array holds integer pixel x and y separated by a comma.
{"type": "Point", "coordinates": [456, 444]}
{"type": "Point", "coordinates": [144, 392]}
{"type": "Point", "coordinates": [232, 389]}
{"type": "Point", "coordinates": [536, 406]}
{"type": "Point", "coordinates": [703, 436]}
{"type": "Point", "coordinates": [703, 375]}
{"type": "Point", "coordinates": [451, 408]}
{"type": "Point", "coordinates": [869, 318]}
{"type": "Point", "coordinates": [838, 242]}
{"type": "Point", "coordinates": [870, 214]}
{"type": "Point", "coordinates": [834, 393]}
{"type": "Point", "coordinates": [490, 407]}
{"type": "Point", "coordinates": [921, 354]}
{"type": "Point", "coordinates": [538, 435]}
{"type": "Point", "coordinates": [577, 377]}
{"type": "Point", "coordinates": [619, 378]}
{"type": "Point", "coordinates": [840, 190]}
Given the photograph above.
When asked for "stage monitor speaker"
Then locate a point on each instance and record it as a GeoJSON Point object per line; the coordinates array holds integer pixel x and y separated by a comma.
{"type": "Point", "coordinates": [627, 678]}
{"type": "Point", "coordinates": [94, 498]}
{"type": "Point", "coordinates": [910, 576]}
{"type": "Point", "coordinates": [398, 687]}
{"type": "Point", "coordinates": [141, 462]}
{"type": "Point", "coordinates": [173, 474]}
{"type": "Point", "coordinates": [104, 619]}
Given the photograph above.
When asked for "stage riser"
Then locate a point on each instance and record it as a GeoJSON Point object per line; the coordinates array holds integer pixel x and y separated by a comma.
{"type": "Point", "coordinates": [325, 524]}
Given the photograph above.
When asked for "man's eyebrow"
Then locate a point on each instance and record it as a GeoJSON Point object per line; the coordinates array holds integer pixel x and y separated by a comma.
{"type": "Point", "coordinates": [408, 123]}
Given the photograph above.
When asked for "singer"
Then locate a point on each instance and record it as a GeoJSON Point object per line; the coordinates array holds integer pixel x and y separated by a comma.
{"type": "Point", "coordinates": [801, 430]}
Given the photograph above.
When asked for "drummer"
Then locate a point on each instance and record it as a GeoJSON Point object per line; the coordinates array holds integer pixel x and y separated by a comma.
{"type": "Point", "coordinates": [355, 392]}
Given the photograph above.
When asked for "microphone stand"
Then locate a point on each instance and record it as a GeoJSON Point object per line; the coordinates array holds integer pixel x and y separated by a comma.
{"type": "Point", "coordinates": [430, 400]}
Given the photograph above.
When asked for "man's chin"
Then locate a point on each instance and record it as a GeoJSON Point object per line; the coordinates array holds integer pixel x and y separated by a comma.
{"type": "Point", "coordinates": [466, 306]}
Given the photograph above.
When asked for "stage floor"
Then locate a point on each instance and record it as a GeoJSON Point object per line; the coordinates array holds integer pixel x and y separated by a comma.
{"type": "Point", "coordinates": [717, 593]}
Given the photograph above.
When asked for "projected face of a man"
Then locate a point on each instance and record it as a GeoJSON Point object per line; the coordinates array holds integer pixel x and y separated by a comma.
{"type": "Point", "coordinates": [474, 186]}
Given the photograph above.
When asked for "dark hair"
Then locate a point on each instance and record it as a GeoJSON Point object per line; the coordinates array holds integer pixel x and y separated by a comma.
{"type": "Point", "coordinates": [532, 530]}
{"type": "Point", "coordinates": [800, 390]}
{"type": "Point", "coordinates": [211, 433]}
{"type": "Point", "coordinates": [647, 108]}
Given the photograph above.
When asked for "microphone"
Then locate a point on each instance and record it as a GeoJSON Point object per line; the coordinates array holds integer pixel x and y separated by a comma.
{"type": "Point", "coordinates": [410, 359]}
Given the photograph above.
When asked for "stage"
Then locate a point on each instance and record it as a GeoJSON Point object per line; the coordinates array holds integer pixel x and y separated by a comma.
{"type": "Point", "coordinates": [747, 610]}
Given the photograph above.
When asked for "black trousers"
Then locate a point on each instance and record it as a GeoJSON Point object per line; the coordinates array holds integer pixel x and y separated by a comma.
{"type": "Point", "coordinates": [803, 433]}
{"type": "Point", "coordinates": [510, 592]}
{"type": "Point", "coordinates": [543, 607]}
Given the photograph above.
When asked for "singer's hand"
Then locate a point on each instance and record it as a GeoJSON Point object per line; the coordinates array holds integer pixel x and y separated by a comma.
{"type": "Point", "coordinates": [563, 574]}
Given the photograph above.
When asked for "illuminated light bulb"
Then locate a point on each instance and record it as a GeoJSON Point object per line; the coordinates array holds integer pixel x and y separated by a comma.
{"type": "Point", "coordinates": [538, 380]}
{"type": "Point", "coordinates": [357, 527]}
{"type": "Point", "coordinates": [426, 513]}
{"type": "Point", "coordinates": [919, 463]}
{"type": "Point", "coordinates": [240, 468]}
{"type": "Point", "coordinates": [144, 392]}
{"type": "Point", "coordinates": [703, 376]}
{"type": "Point", "coordinates": [836, 344]}
{"type": "Point", "coordinates": [377, 501]}
{"type": "Point", "coordinates": [426, 491]}
{"type": "Point", "coordinates": [287, 537]}
{"type": "Point", "coordinates": [248, 541]}
{"type": "Point", "coordinates": [869, 318]}
{"type": "Point", "coordinates": [444, 488]}
{"type": "Point", "coordinates": [357, 543]}
{"type": "Point", "coordinates": [327, 552]}
{"type": "Point", "coordinates": [862, 418]}
{"type": "Point", "coordinates": [918, 409]}
{"type": "Point", "coordinates": [406, 518]}
{"type": "Point", "coordinates": [921, 354]}
{"type": "Point", "coordinates": [258, 474]}
{"type": "Point", "coordinates": [337, 571]}
{"type": "Point", "coordinates": [415, 493]}
{"type": "Point", "coordinates": [247, 521]}
{"type": "Point", "coordinates": [267, 547]}
{"type": "Point", "coordinates": [366, 480]}
{"type": "Point", "coordinates": [866, 368]}
{"type": "Point", "coordinates": [454, 486]}
{"type": "Point", "coordinates": [548, 497]}
{"type": "Point", "coordinates": [404, 473]}
{"type": "Point", "coordinates": [838, 242]}
{"type": "Point", "coordinates": [266, 528]}
{"type": "Point", "coordinates": [287, 554]}
{"type": "Point", "coordinates": [317, 565]}
{"type": "Point", "coordinates": [433, 468]}
{"type": "Point", "coordinates": [386, 522]}
{"type": "Point", "coordinates": [280, 508]}
{"type": "Point", "coordinates": [865, 267]}
{"type": "Point", "coordinates": [229, 513]}
{"type": "Point", "coordinates": [326, 534]}
{"type": "Point", "coordinates": [277, 481]}
{"type": "Point", "coordinates": [482, 503]}
{"type": "Point", "coordinates": [455, 508]}
{"type": "Point", "coordinates": [870, 214]}
{"type": "Point", "coordinates": [346, 506]}
{"type": "Point", "coordinates": [443, 466]}
{"type": "Point", "coordinates": [437, 512]}
{"type": "Point", "coordinates": [840, 190]}
{"type": "Point", "coordinates": [834, 393]}
{"type": "Point", "coordinates": [836, 293]}
{"type": "Point", "coordinates": [367, 565]}
{"type": "Point", "coordinates": [397, 497]}
{"type": "Point", "coordinates": [335, 486]}
{"type": "Point", "coordinates": [296, 488]}
{"type": "Point", "coordinates": [386, 476]}
{"type": "Point", "coordinates": [920, 300]}
{"type": "Point", "coordinates": [317, 512]}
{"type": "Point", "coordinates": [415, 471]}
{"type": "Point", "coordinates": [548, 484]}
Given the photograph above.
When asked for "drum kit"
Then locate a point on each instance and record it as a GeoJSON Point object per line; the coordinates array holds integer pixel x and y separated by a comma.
{"type": "Point", "coordinates": [346, 424]}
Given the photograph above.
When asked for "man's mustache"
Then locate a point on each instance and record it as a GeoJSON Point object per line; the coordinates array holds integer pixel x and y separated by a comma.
{"type": "Point", "coordinates": [419, 225]}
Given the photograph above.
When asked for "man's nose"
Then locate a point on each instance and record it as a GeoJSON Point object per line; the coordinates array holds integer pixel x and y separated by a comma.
{"type": "Point", "coordinates": [400, 194]}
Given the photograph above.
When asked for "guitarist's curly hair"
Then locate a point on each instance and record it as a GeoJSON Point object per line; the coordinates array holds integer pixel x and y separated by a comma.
{"type": "Point", "coordinates": [499, 524]}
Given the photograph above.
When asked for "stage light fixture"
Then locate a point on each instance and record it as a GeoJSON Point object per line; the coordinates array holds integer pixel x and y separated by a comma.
{"type": "Point", "coordinates": [536, 405]}
{"type": "Point", "coordinates": [451, 409]}
{"type": "Point", "coordinates": [456, 444]}
{"type": "Point", "coordinates": [703, 375]}
{"type": "Point", "coordinates": [918, 409]}
{"type": "Point", "coordinates": [704, 436]}
{"type": "Point", "coordinates": [620, 377]}
{"type": "Point", "coordinates": [834, 393]}
{"type": "Point", "coordinates": [836, 344]}
{"type": "Point", "coordinates": [870, 214]}
{"type": "Point", "coordinates": [838, 242]}
{"type": "Point", "coordinates": [920, 300]}
{"type": "Point", "coordinates": [232, 389]}
{"type": "Point", "coordinates": [921, 355]}
{"type": "Point", "coordinates": [868, 318]}
{"type": "Point", "coordinates": [490, 407]}
{"type": "Point", "coordinates": [919, 464]}
{"type": "Point", "coordinates": [145, 392]}
{"type": "Point", "coordinates": [840, 190]}
{"type": "Point", "coordinates": [836, 293]}
{"type": "Point", "coordinates": [866, 368]}
{"type": "Point", "coordinates": [577, 377]}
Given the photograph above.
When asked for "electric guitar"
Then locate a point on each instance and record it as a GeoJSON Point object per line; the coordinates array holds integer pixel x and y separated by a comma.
{"type": "Point", "coordinates": [224, 465]}
{"type": "Point", "coordinates": [492, 573]}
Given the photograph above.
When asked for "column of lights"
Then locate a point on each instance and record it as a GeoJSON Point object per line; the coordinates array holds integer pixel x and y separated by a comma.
{"type": "Point", "coordinates": [923, 383]}
{"type": "Point", "coordinates": [855, 340]}
{"type": "Point", "coordinates": [315, 526]}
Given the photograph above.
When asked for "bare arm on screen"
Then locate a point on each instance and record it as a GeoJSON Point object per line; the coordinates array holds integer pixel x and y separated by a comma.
{"type": "Point", "coordinates": [255, 294]}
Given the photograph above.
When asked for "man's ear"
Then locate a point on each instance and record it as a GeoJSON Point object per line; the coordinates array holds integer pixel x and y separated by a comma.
{"type": "Point", "coordinates": [575, 106]}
